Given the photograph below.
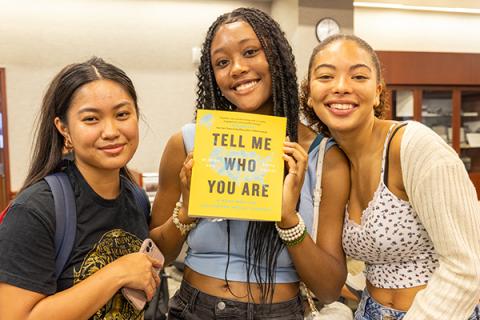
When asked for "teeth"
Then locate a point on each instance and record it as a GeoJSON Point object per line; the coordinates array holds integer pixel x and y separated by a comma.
{"type": "Point", "coordinates": [341, 106]}
{"type": "Point", "coordinates": [245, 86]}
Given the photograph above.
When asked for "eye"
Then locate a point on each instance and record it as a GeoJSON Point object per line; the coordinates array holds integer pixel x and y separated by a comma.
{"type": "Point", "coordinates": [251, 52]}
{"type": "Point", "coordinates": [360, 77]}
{"type": "Point", "coordinates": [123, 115]}
{"type": "Point", "coordinates": [89, 119]}
{"type": "Point", "coordinates": [221, 63]}
{"type": "Point", "coordinates": [324, 76]}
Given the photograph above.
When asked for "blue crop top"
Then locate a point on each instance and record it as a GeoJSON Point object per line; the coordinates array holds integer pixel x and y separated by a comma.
{"type": "Point", "coordinates": [208, 242]}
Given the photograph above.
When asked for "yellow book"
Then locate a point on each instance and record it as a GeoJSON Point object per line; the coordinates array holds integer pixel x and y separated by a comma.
{"type": "Point", "coordinates": [238, 166]}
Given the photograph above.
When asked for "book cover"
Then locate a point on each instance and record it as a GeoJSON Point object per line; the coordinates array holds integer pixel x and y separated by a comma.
{"type": "Point", "coordinates": [238, 166]}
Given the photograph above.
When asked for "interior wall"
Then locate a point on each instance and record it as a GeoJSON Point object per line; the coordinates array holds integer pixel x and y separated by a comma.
{"type": "Point", "coordinates": [150, 40]}
{"type": "Point", "coordinates": [408, 30]}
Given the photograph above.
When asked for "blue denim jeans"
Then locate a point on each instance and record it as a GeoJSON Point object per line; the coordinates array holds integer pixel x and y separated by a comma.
{"type": "Point", "coordinates": [369, 309]}
{"type": "Point", "coordinates": [191, 304]}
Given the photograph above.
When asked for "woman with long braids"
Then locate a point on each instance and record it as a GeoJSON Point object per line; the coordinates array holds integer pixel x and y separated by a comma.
{"type": "Point", "coordinates": [241, 269]}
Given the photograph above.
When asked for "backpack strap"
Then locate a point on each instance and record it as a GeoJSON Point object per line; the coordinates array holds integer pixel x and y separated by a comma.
{"type": "Point", "coordinates": [141, 198]}
{"type": "Point", "coordinates": [4, 212]}
{"type": "Point", "coordinates": [65, 217]}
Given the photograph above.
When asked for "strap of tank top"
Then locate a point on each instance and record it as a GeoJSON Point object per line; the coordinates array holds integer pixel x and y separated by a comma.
{"type": "Point", "coordinates": [384, 153]}
{"type": "Point", "coordinates": [385, 171]}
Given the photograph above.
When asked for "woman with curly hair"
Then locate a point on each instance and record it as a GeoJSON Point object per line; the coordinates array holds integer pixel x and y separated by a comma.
{"type": "Point", "coordinates": [246, 269]}
{"type": "Point", "coordinates": [413, 214]}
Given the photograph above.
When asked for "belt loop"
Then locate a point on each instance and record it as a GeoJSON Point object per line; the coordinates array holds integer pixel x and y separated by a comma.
{"type": "Point", "coordinates": [193, 299]}
{"type": "Point", "coordinates": [250, 311]}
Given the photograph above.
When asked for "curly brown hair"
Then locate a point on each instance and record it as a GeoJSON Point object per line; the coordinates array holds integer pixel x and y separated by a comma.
{"type": "Point", "coordinates": [309, 114]}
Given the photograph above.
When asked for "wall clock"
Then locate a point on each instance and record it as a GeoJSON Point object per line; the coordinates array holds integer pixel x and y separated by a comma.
{"type": "Point", "coordinates": [326, 27]}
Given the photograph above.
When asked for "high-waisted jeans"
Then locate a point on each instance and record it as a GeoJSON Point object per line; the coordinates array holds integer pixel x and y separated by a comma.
{"type": "Point", "coordinates": [191, 304]}
{"type": "Point", "coordinates": [370, 309]}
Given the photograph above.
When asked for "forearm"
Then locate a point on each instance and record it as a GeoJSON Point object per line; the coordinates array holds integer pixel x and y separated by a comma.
{"type": "Point", "coordinates": [80, 301]}
{"type": "Point", "coordinates": [169, 240]}
{"type": "Point", "coordinates": [323, 273]}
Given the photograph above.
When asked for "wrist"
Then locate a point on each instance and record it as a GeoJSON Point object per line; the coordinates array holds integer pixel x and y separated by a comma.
{"type": "Point", "coordinates": [288, 221]}
{"type": "Point", "coordinates": [112, 271]}
{"type": "Point", "coordinates": [183, 215]}
{"type": "Point", "coordinates": [183, 226]}
{"type": "Point", "coordinates": [293, 235]}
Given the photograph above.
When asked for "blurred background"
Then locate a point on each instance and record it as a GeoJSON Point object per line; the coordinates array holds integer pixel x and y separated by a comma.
{"type": "Point", "coordinates": [430, 51]}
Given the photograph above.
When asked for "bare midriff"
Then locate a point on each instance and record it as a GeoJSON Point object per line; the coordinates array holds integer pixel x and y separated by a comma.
{"type": "Point", "coordinates": [399, 299]}
{"type": "Point", "coordinates": [236, 290]}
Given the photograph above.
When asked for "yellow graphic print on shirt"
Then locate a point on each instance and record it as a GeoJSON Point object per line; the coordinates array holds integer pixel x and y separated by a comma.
{"type": "Point", "coordinates": [112, 245]}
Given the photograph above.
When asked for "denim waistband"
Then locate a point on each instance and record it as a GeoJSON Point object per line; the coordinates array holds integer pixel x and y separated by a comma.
{"type": "Point", "coordinates": [369, 308]}
{"type": "Point", "coordinates": [195, 298]}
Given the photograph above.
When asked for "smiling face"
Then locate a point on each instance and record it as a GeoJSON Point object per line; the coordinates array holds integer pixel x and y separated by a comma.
{"type": "Point", "coordinates": [102, 126]}
{"type": "Point", "coordinates": [343, 86]}
{"type": "Point", "coordinates": [241, 68]}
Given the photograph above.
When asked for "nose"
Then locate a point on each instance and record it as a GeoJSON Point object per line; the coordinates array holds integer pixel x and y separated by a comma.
{"type": "Point", "coordinates": [110, 129]}
{"type": "Point", "coordinates": [239, 67]}
{"type": "Point", "coordinates": [342, 85]}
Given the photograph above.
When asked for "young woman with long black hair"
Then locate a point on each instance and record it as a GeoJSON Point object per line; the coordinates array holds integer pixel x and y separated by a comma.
{"type": "Point", "coordinates": [241, 269]}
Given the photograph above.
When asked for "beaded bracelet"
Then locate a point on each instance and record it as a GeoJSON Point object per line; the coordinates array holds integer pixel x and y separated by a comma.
{"type": "Point", "coordinates": [184, 228]}
{"type": "Point", "coordinates": [294, 235]}
{"type": "Point", "coordinates": [296, 241]}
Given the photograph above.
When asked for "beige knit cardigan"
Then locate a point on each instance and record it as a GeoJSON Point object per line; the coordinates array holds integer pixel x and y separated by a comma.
{"type": "Point", "coordinates": [445, 200]}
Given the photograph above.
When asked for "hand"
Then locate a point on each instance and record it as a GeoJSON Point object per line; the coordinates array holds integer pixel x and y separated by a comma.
{"type": "Point", "coordinates": [296, 162]}
{"type": "Point", "coordinates": [136, 271]}
{"type": "Point", "coordinates": [185, 178]}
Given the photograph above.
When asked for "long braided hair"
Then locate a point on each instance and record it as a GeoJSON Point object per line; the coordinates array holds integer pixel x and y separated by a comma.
{"type": "Point", "coordinates": [263, 245]}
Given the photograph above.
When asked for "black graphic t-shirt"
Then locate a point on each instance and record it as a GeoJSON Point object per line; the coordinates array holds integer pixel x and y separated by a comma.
{"type": "Point", "coordinates": [106, 230]}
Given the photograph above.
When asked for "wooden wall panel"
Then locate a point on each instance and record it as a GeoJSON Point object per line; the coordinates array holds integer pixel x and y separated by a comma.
{"type": "Point", "coordinates": [430, 68]}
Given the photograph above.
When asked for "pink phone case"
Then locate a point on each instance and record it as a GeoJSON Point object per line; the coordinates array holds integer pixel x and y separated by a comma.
{"type": "Point", "coordinates": [137, 297]}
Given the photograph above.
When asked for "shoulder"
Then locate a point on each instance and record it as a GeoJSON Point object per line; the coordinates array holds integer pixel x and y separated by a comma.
{"type": "Point", "coordinates": [335, 158]}
{"type": "Point", "coordinates": [38, 198]}
{"type": "Point", "coordinates": [176, 144]}
{"type": "Point", "coordinates": [33, 206]}
{"type": "Point", "coordinates": [421, 145]}
{"type": "Point", "coordinates": [172, 158]}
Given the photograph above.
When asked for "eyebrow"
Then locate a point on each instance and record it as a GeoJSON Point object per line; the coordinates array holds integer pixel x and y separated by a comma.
{"type": "Point", "coordinates": [93, 109]}
{"type": "Point", "coordinates": [240, 42]}
{"type": "Point", "coordinates": [331, 66]}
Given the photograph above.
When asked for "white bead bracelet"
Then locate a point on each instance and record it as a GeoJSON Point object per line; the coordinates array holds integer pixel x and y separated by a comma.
{"type": "Point", "coordinates": [293, 233]}
{"type": "Point", "coordinates": [184, 228]}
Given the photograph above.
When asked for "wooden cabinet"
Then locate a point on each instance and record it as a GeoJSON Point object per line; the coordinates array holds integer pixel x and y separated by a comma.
{"type": "Point", "coordinates": [441, 90]}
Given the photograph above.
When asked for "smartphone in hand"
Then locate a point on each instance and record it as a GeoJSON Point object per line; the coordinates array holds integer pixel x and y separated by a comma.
{"type": "Point", "coordinates": [137, 297]}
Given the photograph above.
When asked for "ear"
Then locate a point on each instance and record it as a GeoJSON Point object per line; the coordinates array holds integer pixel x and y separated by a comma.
{"type": "Point", "coordinates": [62, 128]}
{"type": "Point", "coordinates": [309, 102]}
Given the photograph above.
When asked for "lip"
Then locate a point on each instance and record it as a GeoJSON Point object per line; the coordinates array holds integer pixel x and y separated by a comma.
{"type": "Point", "coordinates": [247, 90]}
{"type": "Point", "coordinates": [113, 149]}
